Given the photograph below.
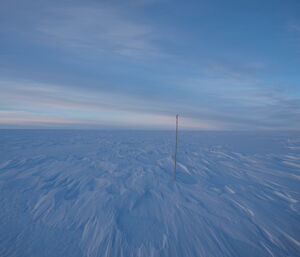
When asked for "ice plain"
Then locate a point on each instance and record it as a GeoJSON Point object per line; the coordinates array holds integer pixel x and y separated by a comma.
{"type": "Point", "coordinates": [112, 194]}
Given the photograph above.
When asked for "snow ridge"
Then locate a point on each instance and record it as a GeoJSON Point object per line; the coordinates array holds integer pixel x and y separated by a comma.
{"type": "Point", "coordinates": [101, 193]}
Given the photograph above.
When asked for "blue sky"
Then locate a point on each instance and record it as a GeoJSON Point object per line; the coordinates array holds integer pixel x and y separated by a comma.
{"type": "Point", "coordinates": [222, 65]}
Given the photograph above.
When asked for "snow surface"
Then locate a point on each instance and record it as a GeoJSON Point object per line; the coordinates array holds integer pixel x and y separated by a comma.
{"type": "Point", "coordinates": [101, 193]}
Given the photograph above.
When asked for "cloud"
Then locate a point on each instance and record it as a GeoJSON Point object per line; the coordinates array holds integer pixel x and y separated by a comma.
{"type": "Point", "coordinates": [219, 97]}
{"type": "Point", "coordinates": [37, 103]}
{"type": "Point", "coordinates": [100, 28]}
{"type": "Point", "coordinates": [101, 62]}
{"type": "Point", "coordinates": [33, 121]}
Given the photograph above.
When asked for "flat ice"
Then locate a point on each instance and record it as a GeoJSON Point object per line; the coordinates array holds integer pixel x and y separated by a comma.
{"type": "Point", "coordinates": [100, 193]}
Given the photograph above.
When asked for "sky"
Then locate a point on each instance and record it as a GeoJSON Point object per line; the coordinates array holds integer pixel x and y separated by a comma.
{"type": "Point", "coordinates": [221, 65]}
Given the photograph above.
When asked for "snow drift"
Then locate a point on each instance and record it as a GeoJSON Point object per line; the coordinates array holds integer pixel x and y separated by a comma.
{"type": "Point", "coordinates": [101, 193]}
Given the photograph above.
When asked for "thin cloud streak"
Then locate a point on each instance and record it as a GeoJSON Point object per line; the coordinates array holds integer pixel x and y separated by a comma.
{"type": "Point", "coordinates": [99, 28]}
{"type": "Point", "coordinates": [43, 104]}
{"type": "Point", "coordinates": [46, 120]}
{"type": "Point", "coordinates": [129, 120]}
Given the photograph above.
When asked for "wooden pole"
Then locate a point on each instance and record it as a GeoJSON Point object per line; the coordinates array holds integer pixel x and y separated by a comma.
{"type": "Point", "coordinates": [176, 145]}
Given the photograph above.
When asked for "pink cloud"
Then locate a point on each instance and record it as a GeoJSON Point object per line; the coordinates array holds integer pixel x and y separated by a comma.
{"type": "Point", "coordinates": [45, 121]}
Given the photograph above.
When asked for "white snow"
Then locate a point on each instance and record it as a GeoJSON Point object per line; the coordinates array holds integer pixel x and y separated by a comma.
{"type": "Point", "coordinates": [101, 193]}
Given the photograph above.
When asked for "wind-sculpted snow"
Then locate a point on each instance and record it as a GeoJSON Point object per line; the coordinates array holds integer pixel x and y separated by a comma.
{"type": "Point", "coordinates": [97, 193]}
